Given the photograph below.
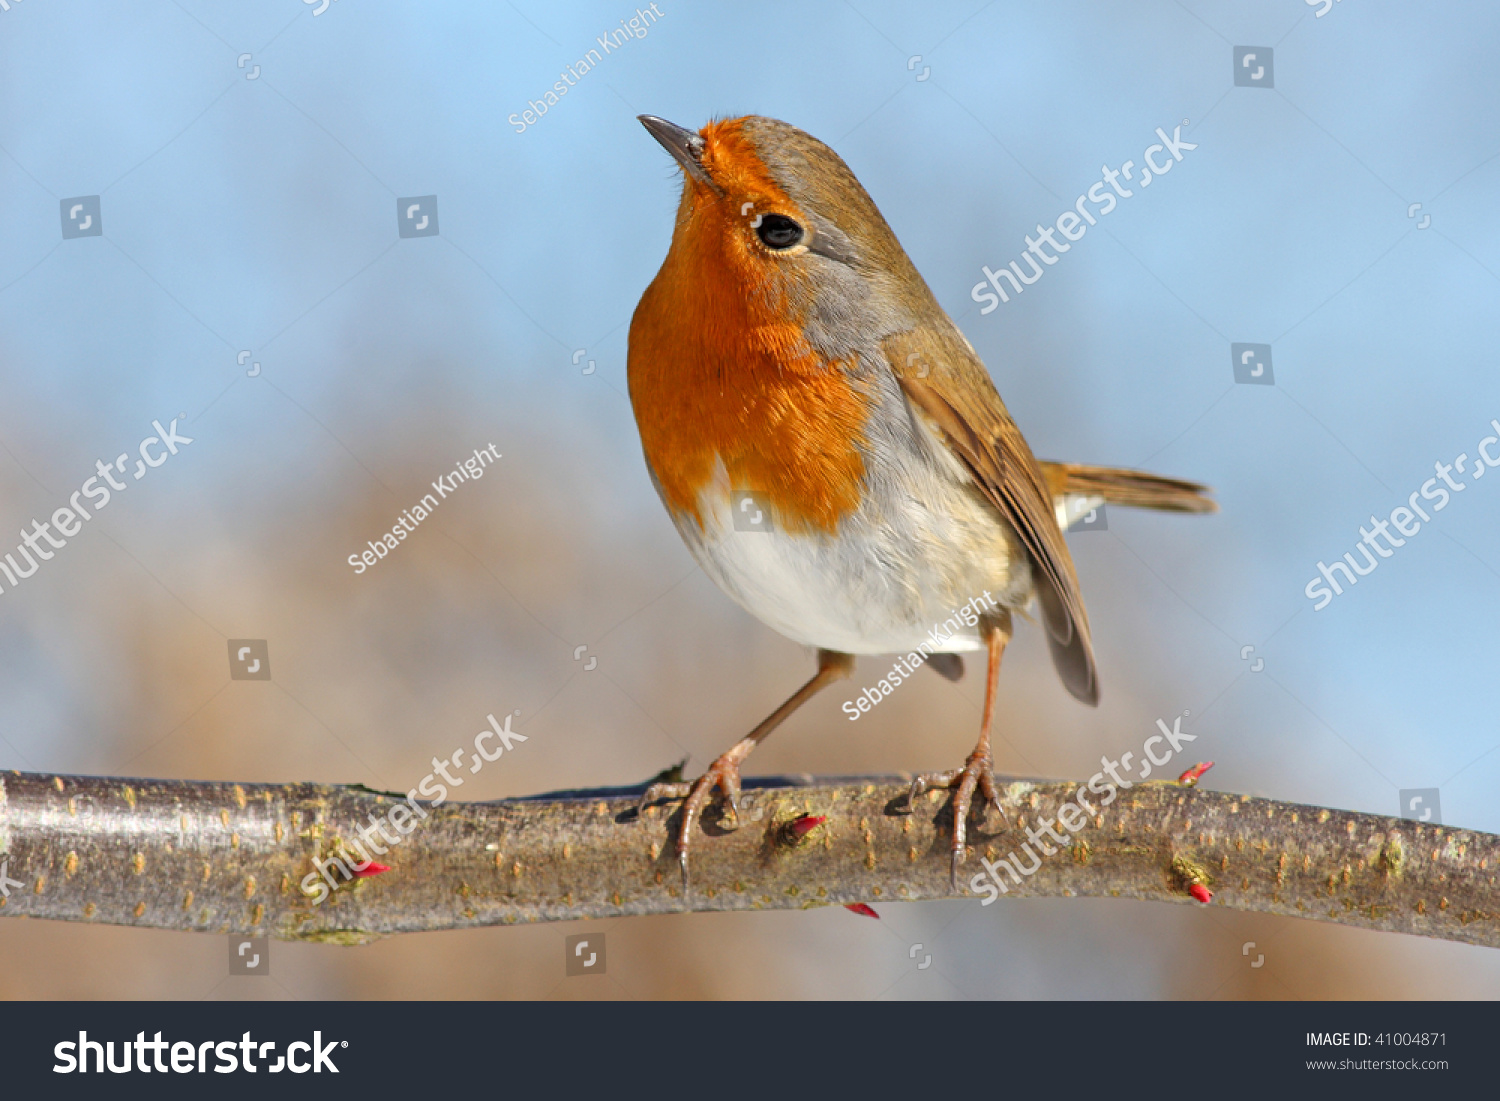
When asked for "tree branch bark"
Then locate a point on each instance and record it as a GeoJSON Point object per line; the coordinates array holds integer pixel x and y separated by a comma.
{"type": "Point", "coordinates": [225, 857]}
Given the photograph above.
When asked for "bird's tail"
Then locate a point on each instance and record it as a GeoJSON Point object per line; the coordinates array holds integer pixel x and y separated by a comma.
{"type": "Point", "coordinates": [1076, 490]}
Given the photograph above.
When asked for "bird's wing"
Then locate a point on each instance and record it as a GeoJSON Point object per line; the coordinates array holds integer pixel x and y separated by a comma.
{"type": "Point", "coordinates": [944, 379]}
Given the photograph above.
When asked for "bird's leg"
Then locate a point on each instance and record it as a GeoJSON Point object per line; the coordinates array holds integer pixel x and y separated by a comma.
{"type": "Point", "coordinates": [978, 770]}
{"type": "Point", "coordinates": [724, 773]}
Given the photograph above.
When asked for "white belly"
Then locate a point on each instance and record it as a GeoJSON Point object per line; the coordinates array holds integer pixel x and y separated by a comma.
{"type": "Point", "coordinates": [892, 578]}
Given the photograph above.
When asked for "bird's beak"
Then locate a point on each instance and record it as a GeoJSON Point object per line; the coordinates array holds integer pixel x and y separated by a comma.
{"type": "Point", "coordinates": [684, 145]}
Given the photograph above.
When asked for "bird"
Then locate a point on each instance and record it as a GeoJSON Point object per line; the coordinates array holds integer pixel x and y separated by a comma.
{"type": "Point", "coordinates": [789, 356]}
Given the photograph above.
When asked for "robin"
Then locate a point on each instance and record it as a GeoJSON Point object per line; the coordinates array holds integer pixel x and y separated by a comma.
{"type": "Point", "coordinates": [789, 355]}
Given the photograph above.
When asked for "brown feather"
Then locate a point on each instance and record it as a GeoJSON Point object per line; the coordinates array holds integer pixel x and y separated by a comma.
{"type": "Point", "coordinates": [943, 378]}
{"type": "Point", "coordinates": [1130, 488]}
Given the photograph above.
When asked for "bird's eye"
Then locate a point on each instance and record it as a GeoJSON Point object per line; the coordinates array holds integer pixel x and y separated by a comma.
{"type": "Point", "coordinates": [777, 231]}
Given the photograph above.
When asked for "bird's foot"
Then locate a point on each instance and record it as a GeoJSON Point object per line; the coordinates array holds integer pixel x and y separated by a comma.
{"type": "Point", "coordinates": [977, 773]}
{"type": "Point", "coordinates": [724, 774]}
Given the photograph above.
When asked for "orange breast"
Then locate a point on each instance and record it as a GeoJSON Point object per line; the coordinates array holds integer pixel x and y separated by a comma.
{"type": "Point", "coordinates": [719, 368]}
{"type": "Point", "coordinates": [718, 371]}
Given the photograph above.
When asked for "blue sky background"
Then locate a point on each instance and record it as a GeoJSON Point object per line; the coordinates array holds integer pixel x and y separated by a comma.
{"type": "Point", "coordinates": [259, 215]}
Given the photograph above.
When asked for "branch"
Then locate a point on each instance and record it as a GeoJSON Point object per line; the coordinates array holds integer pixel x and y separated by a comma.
{"type": "Point", "coordinates": [224, 857]}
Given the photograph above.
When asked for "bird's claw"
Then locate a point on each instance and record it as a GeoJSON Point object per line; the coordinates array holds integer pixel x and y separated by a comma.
{"type": "Point", "coordinates": [929, 781]}
{"type": "Point", "coordinates": [663, 792]}
{"type": "Point", "coordinates": [723, 774]}
{"type": "Point", "coordinates": [977, 773]}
